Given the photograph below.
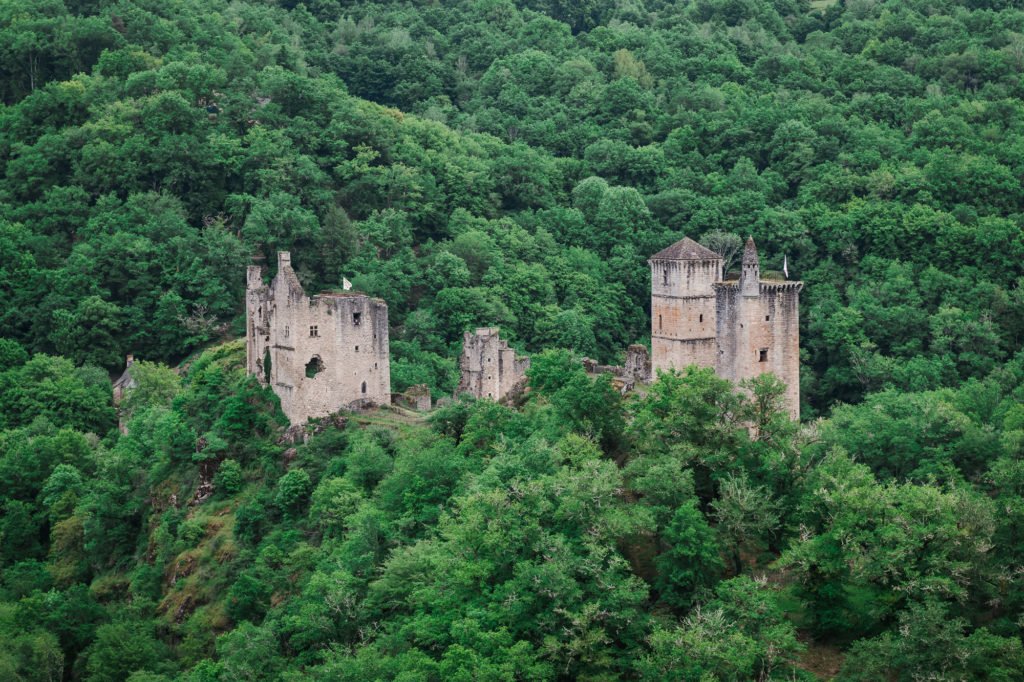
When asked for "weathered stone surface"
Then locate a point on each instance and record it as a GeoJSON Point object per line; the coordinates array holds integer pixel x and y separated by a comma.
{"type": "Point", "coordinates": [122, 386]}
{"type": "Point", "coordinates": [125, 382]}
{"type": "Point", "coordinates": [319, 354]}
{"type": "Point", "coordinates": [420, 394]}
{"type": "Point", "coordinates": [293, 435]}
{"type": "Point", "coordinates": [741, 329]}
{"type": "Point", "coordinates": [638, 363]}
{"type": "Point", "coordinates": [490, 369]}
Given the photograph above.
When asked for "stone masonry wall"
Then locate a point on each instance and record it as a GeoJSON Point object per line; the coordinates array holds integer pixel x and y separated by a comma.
{"type": "Point", "coordinates": [761, 334]}
{"type": "Point", "coordinates": [638, 363]}
{"type": "Point", "coordinates": [741, 329]}
{"type": "Point", "coordinates": [683, 313]}
{"type": "Point", "coordinates": [319, 354]}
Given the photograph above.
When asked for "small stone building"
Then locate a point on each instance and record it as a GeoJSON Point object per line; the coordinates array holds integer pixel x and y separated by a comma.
{"type": "Point", "coordinates": [321, 354]}
{"type": "Point", "coordinates": [125, 382]}
{"type": "Point", "coordinates": [740, 328]}
{"type": "Point", "coordinates": [490, 369]}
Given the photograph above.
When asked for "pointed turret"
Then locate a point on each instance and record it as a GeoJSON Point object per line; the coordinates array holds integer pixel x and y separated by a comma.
{"type": "Point", "coordinates": [750, 275]}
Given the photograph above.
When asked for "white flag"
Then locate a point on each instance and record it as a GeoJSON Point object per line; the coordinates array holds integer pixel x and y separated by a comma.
{"type": "Point", "coordinates": [785, 266]}
{"type": "Point", "coordinates": [345, 283]}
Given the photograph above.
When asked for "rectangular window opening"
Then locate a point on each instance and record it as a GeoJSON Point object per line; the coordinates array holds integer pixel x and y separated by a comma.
{"type": "Point", "coordinates": [356, 318]}
{"type": "Point", "coordinates": [313, 331]}
{"type": "Point", "coordinates": [763, 355]}
{"type": "Point", "coordinates": [767, 318]}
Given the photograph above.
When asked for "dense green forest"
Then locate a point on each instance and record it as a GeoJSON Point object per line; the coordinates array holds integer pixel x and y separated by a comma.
{"type": "Point", "coordinates": [511, 164]}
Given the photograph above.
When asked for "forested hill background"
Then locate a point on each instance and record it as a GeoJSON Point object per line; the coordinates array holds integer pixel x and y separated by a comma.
{"type": "Point", "coordinates": [523, 163]}
{"type": "Point", "coordinates": [513, 164]}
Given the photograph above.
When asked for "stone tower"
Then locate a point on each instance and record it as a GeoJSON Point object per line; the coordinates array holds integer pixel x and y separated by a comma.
{"type": "Point", "coordinates": [319, 354]}
{"type": "Point", "coordinates": [490, 368]}
{"type": "Point", "coordinates": [683, 305]}
{"type": "Point", "coordinates": [754, 323]}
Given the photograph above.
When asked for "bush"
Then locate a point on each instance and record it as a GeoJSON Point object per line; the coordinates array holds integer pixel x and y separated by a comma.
{"type": "Point", "coordinates": [292, 490]}
{"type": "Point", "coordinates": [228, 479]}
{"type": "Point", "coordinates": [191, 532]}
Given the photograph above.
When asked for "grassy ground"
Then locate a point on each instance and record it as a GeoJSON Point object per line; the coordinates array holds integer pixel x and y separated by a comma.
{"type": "Point", "coordinates": [391, 416]}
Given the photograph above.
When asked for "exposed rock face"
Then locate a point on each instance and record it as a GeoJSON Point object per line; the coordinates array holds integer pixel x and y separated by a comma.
{"type": "Point", "coordinates": [319, 354]}
{"type": "Point", "coordinates": [490, 369]}
{"type": "Point", "coordinates": [741, 329]}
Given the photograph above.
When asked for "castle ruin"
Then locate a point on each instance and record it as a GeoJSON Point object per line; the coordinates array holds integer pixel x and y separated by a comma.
{"type": "Point", "coordinates": [490, 368]}
{"type": "Point", "coordinates": [740, 328]}
{"type": "Point", "coordinates": [321, 354]}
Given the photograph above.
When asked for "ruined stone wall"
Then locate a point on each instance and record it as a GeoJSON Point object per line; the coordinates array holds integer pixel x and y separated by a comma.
{"type": "Point", "coordinates": [420, 394]}
{"type": "Point", "coordinates": [319, 354]}
{"type": "Point", "coordinates": [758, 334]}
{"type": "Point", "coordinates": [683, 313]}
{"type": "Point", "coordinates": [489, 367]}
{"type": "Point", "coordinates": [638, 363]}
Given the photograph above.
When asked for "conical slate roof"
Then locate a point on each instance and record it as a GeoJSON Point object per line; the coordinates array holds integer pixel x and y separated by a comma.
{"type": "Point", "coordinates": [686, 249]}
{"type": "Point", "coordinates": [750, 253]}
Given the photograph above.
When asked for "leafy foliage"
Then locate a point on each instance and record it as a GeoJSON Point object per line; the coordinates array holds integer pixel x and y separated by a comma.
{"type": "Point", "coordinates": [511, 164]}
